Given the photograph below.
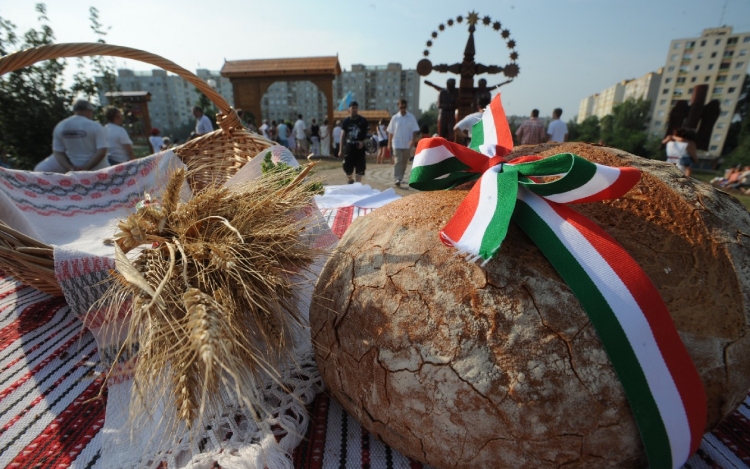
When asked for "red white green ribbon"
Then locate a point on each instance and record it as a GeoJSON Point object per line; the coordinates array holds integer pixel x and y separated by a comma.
{"type": "Point", "coordinates": [662, 385]}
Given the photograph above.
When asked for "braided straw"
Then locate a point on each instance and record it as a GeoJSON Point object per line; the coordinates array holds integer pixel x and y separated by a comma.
{"type": "Point", "coordinates": [213, 157]}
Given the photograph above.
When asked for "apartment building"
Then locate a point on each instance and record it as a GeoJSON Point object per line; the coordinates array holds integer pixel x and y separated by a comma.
{"type": "Point", "coordinates": [601, 104]}
{"type": "Point", "coordinates": [717, 58]}
{"type": "Point", "coordinates": [172, 98]}
{"type": "Point", "coordinates": [379, 87]}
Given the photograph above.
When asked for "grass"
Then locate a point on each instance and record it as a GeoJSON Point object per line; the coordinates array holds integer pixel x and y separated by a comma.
{"type": "Point", "coordinates": [706, 177]}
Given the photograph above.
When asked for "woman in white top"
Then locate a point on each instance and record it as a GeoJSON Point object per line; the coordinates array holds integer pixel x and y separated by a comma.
{"type": "Point", "coordinates": [325, 139]}
{"type": "Point", "coordinates": [120, 147]}
{"type": "Point", "coordinates": [382, 142]}
{"type": "Point", "coordinates": [156, 140]}
{"type": "Point", "coordinates": [681, 150]}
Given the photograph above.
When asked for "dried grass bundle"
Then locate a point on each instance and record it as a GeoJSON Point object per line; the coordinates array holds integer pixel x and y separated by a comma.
{"type": "Point", "coordinates": [212, 296]}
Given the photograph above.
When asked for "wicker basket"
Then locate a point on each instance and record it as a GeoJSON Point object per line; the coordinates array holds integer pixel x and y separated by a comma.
{"type": "Point", "coordinates": [214, 157]}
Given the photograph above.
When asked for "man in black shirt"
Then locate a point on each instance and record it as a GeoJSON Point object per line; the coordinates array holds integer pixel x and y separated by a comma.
{"type": "Point", "coordinates": [315, 137]}
{"type": "Point", "coordinates": [353, 135]}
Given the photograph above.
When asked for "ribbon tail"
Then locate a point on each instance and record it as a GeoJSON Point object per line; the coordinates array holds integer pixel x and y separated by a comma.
{"type": "Point", "coordinates": [660, 381]}
{"type": "Point", "coordinates": [480, 223]}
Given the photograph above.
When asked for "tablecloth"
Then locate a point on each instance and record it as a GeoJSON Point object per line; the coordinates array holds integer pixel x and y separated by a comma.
{"type": "Point", "coordinates": [48, 376]}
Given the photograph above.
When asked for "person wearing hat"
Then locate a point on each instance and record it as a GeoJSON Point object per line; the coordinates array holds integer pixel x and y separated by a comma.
{"type": "Point", "coordinates": [353, 135]}
{"type": "Point", "coordinates": [156, 140]}
{"type": "Point", "coordinates": [78, 143]}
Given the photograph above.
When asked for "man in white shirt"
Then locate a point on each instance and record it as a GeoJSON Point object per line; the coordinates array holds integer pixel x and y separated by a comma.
{"type": "Point", "coordinates": [337, 138]}
{"type": "Point", "coordinates": [557, 131]}
{"type": "Point", "coordinates": [78, 143]}
{"type": "Point", "coordinates": [202, 123]}
{"type": "Point", "coordinates": [465, 125]}
{"type": "Point", "coordinates": [118, 141]}
{"type": "Point", "coordinates": [300, 136]}
{"type": "Point", "coordinates": [264, 128]}
{"type": "Point", "coordinates": [403, 133]}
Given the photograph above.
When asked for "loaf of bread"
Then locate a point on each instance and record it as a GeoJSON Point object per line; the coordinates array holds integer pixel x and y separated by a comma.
{"type": "Point", "coordinates": [463, 366]}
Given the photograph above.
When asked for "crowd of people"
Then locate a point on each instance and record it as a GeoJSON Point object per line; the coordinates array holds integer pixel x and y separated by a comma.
{"type": "Point", "coordinates": [316, 140]}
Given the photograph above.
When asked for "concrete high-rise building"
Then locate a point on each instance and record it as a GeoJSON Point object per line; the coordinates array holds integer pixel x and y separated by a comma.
{"type": "Point", "coordinates": [645, 87]}
{"type": "Point", "coordinates": [172, 98]}
{"type": "Point", "coordinates": [608, 98]}
{"type": "Point", "coordinates": [586, 109]}
{"type": "Point", "coordinates": [379, 87]}
{"type": "Point", "coordinates": [374, 88]}
{"type": "Point", "coordinates": [716, 58]}
{"type": "Point", "coordinates": [601, 104]}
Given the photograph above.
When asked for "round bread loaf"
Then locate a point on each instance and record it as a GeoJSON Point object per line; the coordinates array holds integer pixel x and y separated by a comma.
{"type": "Point", "coordinates": [464, 366]}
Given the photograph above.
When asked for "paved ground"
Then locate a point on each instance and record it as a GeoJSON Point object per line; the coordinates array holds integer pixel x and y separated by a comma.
{"type": "Point", "coordinates": [378, 176]}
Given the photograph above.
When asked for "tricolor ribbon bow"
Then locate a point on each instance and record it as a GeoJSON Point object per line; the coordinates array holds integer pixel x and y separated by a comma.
{"type": "Point", "coordinates": [662, 385]}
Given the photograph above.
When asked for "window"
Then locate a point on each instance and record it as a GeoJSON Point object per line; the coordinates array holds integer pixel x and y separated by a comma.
{"type": "Point", "coordinates": [673, 57]}
{"type": "Point", "coordinates": [665, 91]}
{"type": "Point", "coordinates": [707, 79]}
{"type": "Point", "coordinates": [692, 80]}
{"type": "Point", "coordinates": [728, 53]}
{"type": "Point", "coordinates": [739, 65]}
{"type": "Point", "coordinates": [700, 55]}
{"type": "Point", "coordinates": [697, 67]}
{"type": "Point", "coordinates": [717, 138]}
{"type": "Point", "coordinates": [670, 68]}
{"type": "Point", "coordinates": [668, 80]}
{"type": "Point", "coordinates": [735, 77]}
{"type": "Point", "coordinates": [718, 90]}
{"type": "Point", "coordinates": [662, 102]}
{"type": "Point", "coordinates": [717, 42]}
{"type": "Point", "coordinates": [687, 56]}
{"type": "Point", "coordinates": [727, 102]}
{"type": "Point", "coordinates": [721, 79]}
{"type": "Point", "coordinates": [714, 147]}
{"type": "Point", "coordinates": [690, 91]}
{"type": "Point", "coordinates": [746, 39]}
{"type": "Point", "coordinates": [683, 68]}
{"type": "Point", "coordinates": [676, 45]}
{"type": "Point", "coordinates": [710, 66]}
{"type": "Point", "coordinates": [713, 55]}
{"type": "Point", "coordinates": [732, 40]}
{"type": "Point", "coordinates": [657, 123]}
{"type": "Point", "coordinates": [680, 79]}
{"type": "Point", "coordinates": [720, 125]}
{"type": "Point", "coordinates": [690, 44]}
{"type": "Point", "coordinates": [723, 113]}
{"type": "Point", "coordinates": [731, 89]}
{"type": "Point", "coordinates": [660, 113]}
{"type": "Point", "coordinates": [678, 91]}
{"type": "Point", "coordinates": [703, 43]}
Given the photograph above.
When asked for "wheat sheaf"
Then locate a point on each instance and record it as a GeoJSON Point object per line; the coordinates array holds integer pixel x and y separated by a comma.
{"type": "Point", "coordinates": [212, 294]}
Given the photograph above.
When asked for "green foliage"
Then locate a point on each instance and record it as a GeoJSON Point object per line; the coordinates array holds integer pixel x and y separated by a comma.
{"type": "Point", "coordinates": [626, 127]}
{"type": "Point", "coordinates": [267, 166]}
{"type": "Point", "coordinates": [33, 100]}
{"type": "Point", "coordinates": [741, 154]}
{"type": "Point", "coordinates": [429, 118]}
{"type": "Point", "coordinates": [587, 131]}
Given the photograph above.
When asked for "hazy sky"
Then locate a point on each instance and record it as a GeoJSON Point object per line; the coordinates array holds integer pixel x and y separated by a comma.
{"type": "Point", "coordinates": [568, 49]}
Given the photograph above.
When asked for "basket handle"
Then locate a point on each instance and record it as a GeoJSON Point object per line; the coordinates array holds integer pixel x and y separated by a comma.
{"type": "Point", "coordinates": [24, 58]}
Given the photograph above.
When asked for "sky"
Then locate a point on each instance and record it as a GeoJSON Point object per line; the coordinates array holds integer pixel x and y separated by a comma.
{"type": "Point", "coordinates": [568, 49]}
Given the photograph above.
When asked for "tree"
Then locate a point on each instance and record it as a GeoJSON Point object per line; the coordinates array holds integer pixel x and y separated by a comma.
{"type": "Point", "coordinates": [33, 100]}
{"type": "Point", "coordinates": [626, 127]}
{"type": "Point", "coordinates": [429, 118]}
{"type": "Point", "coordinates": [587, 131]}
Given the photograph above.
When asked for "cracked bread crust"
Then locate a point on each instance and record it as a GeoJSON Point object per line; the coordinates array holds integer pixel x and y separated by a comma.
{"type": "Point", "coordinates": [462, 366]}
